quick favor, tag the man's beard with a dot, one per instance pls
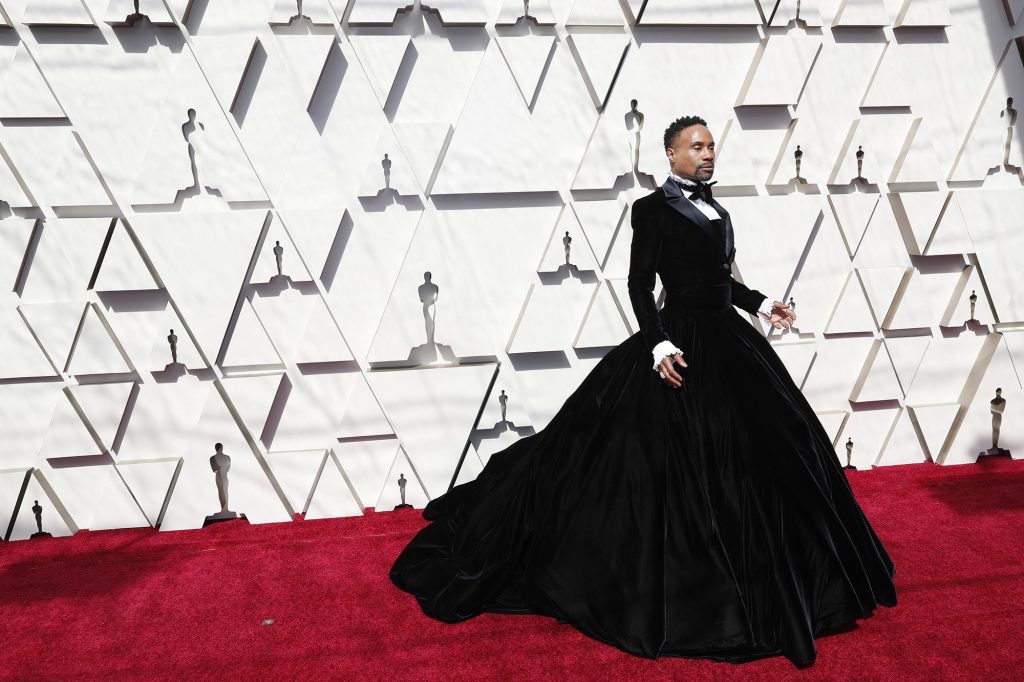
(704, 174)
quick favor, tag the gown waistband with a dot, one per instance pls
(706, 297)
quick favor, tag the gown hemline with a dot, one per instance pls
(764, 544)
(825, 627)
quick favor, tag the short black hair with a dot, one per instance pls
(679, 124)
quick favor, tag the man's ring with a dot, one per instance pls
(662, 373)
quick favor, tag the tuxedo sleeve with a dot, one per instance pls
(745, 298)
(644, 251)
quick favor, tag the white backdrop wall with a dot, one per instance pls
(376, 142)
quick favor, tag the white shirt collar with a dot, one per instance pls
(704, 207)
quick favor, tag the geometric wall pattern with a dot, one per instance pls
(328, 234)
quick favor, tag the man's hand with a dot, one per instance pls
(668, 373)
(782, 315)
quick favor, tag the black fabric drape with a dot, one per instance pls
(711, 521)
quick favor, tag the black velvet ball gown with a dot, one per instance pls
(711, 521)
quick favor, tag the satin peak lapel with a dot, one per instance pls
(675, 199)
(730, 241)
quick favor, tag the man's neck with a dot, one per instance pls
(688, 180)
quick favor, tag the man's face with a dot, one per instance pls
(692, 154)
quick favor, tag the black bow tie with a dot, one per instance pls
(699, 190)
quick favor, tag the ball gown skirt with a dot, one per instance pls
(711, 521)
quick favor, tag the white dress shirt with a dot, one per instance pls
(666, 347)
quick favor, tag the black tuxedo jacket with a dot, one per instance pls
(671, 237)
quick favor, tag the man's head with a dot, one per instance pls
(690, 148)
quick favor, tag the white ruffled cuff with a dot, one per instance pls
(765, 311)
(662, 349)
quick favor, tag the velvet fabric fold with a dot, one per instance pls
(711, 521)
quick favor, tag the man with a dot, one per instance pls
(690, 149)
(657, 520)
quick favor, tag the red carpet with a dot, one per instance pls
(140, 604)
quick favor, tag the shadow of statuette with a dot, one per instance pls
(220, 463)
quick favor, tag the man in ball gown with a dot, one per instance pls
(685, 500)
